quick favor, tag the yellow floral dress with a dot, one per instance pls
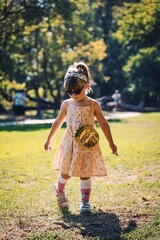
(72, 158)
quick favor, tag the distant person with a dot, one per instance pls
(79, 154)
(19, 100)
(117, 99)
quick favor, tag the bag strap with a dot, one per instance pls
(71, 135)
(91, 112)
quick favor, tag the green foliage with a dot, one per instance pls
(141, 68)
(118, 40)
(137, 22)
(138, 35)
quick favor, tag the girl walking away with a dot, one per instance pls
(79, 154)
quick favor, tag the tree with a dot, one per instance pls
(31, 54)
(40, 40)
(119, 40)
(138, 34)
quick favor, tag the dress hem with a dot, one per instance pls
(82, 176)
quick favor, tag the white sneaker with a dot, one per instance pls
(62, 200)
(85, 207)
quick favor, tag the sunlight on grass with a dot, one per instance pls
(130, 192)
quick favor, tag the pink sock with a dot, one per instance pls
(86, 189)
(85, 194)
(61, 184)
(60, 187)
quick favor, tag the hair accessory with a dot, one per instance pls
(76, 74)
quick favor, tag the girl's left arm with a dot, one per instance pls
(104, 126)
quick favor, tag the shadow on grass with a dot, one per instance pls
(35, 127)
(103, 225)
(115, 120)
(28, 127)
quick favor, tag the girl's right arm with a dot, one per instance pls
(56, 125)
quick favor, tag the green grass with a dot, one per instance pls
(125, 204)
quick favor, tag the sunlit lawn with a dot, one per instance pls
(125, 204)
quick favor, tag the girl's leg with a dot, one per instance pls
(62, 200)
(85, 192)
(85, 189)
(61, 182)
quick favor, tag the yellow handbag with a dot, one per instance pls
(86, 135)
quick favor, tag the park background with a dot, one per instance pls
(120, 41)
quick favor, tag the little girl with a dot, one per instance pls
(73, 158)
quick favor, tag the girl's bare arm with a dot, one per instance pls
(104, 126)
(56, 125)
